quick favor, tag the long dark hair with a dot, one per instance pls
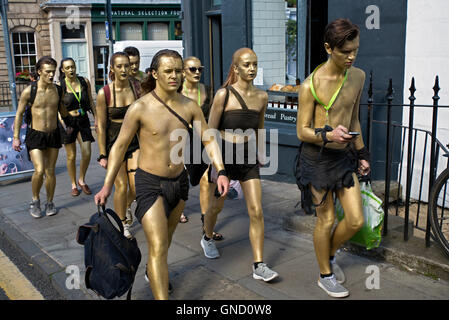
(61, 73)
(112, 62)
(149, 83)
(232, 76)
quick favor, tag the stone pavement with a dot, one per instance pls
(50, 245)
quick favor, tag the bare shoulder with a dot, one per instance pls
(188, 103)
(359, 74)
(304, 88)
(221, 93)
(261, 94)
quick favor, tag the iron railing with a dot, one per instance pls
(5, 93)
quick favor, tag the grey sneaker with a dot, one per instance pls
(50, 209)
(35, 209)
(332, 287)
(264, 273)
(337, 271)
(209, 248)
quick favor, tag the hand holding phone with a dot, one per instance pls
(354, 133)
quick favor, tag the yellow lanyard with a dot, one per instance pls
(73, 91)
(334, 97)
(199, 93)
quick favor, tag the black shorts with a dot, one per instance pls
(43, 140)
(242, 164)
(149, 187)
(80, 124)
(329, 170)
(113, 131)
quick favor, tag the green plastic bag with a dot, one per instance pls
(369, 235)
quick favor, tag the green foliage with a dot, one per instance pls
(291, 36)
(291, 3)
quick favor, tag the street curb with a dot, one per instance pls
(408, 255)
(42, 262)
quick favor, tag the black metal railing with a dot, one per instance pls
(5, 93)
(429, 155)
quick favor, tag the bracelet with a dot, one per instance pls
(102, 156)
(222, 173)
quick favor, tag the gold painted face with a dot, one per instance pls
(121, 68)
(69, 69)
(345, 56)
(169, 74)
(134, 63)
(193, 70)
(47, 73)
(247, 66)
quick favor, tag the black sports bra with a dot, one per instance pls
(243, 119)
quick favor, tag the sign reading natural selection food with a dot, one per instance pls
(11, 161)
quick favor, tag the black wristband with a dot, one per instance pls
(222, 173)
(102, 156)
(363, 154)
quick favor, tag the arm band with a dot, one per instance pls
(222, 173)
(363, 154)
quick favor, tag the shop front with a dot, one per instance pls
(136, 22)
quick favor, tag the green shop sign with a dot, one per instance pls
(139, 12)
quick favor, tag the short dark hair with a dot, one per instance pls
(132, 51)
(45, 60)
(339, 31)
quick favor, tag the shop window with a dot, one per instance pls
(178, 30)
(72, 33)
(130, 31)
(24, 50)
(99, 34)
(216, 3)
(157, 31)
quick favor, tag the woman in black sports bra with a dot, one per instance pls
(239, 105)
(77, 98)
(113, 100)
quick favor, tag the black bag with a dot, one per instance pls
(195, 170)
(110, 258)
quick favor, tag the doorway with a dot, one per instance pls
(215, 52)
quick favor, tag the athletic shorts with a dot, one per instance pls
(149, 187)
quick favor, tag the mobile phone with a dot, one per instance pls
(354, 133)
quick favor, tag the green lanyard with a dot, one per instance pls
(73, 91)
(334, 97)
(199, 92)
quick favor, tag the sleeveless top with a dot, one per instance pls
(243, 119)
(71, 103)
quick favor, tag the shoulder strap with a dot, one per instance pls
(239, 98)
(226, 98)
(107, 94)
(33, 93)
(185, 123)
(83, 82)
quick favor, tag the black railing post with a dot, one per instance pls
(387, 158)
(409, 157)
(370, 111)
(432, 171)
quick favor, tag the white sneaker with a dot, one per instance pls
(126, 231)
(264, 273)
